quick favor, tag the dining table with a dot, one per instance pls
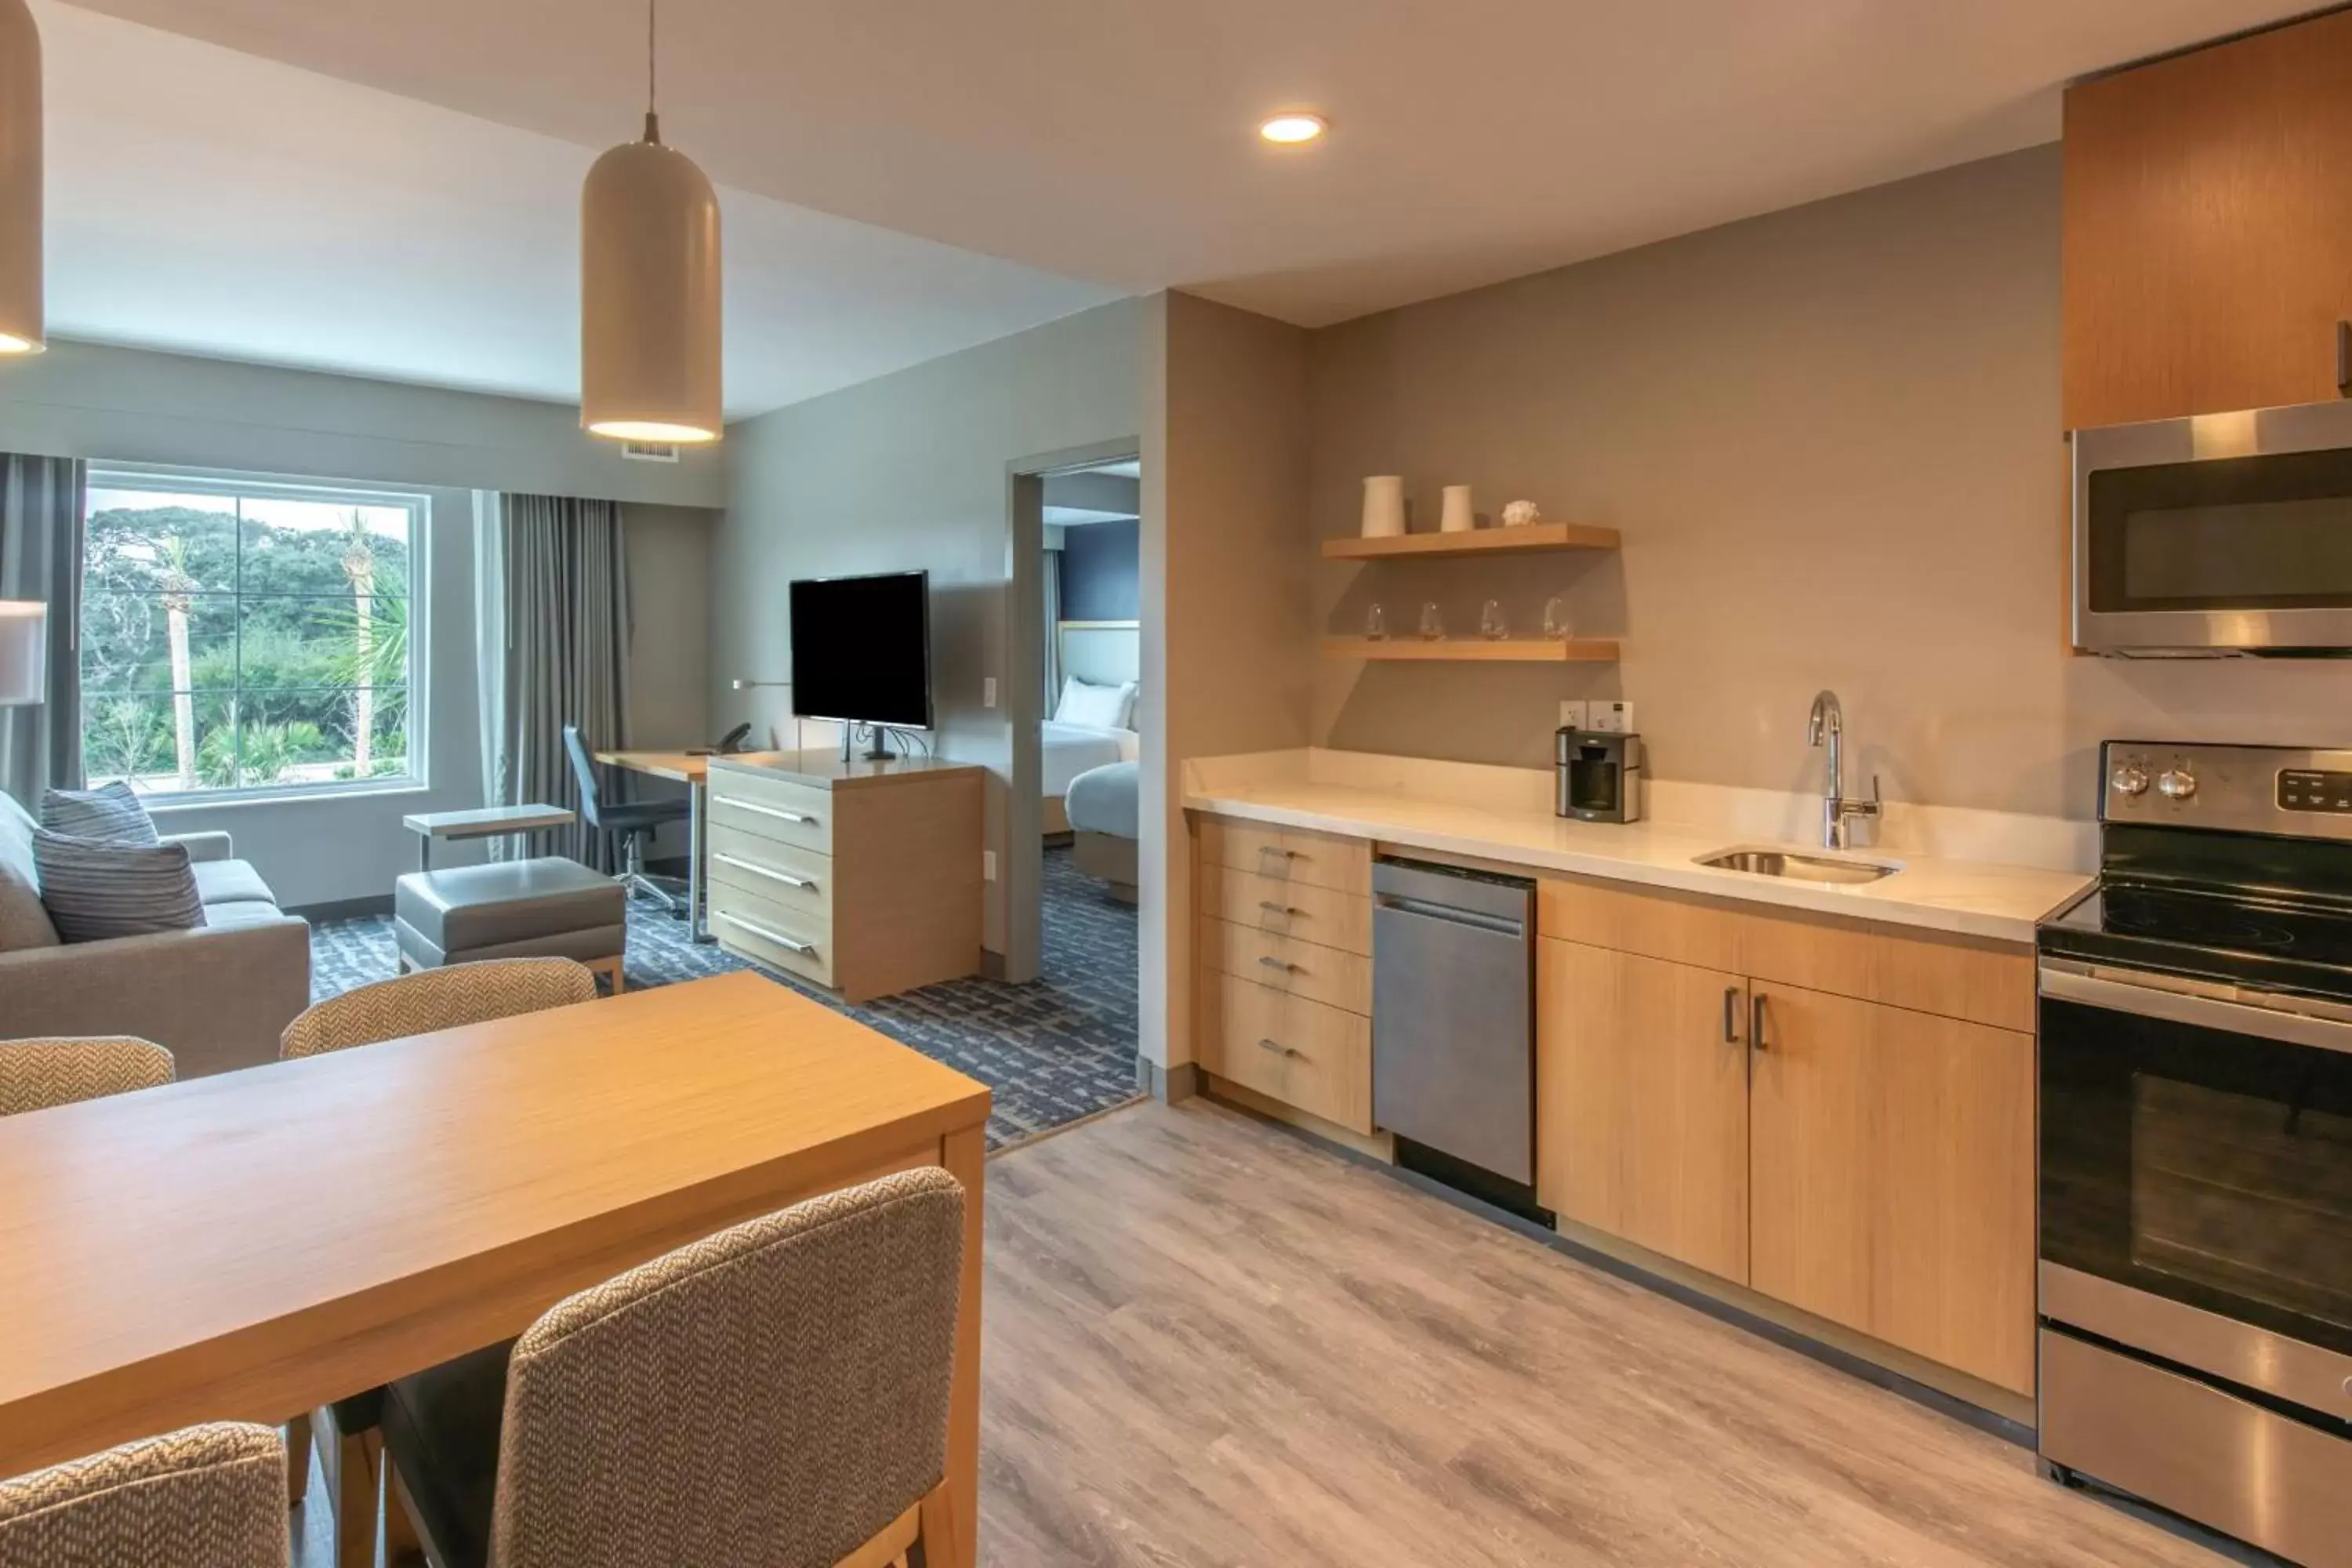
(253, 1244)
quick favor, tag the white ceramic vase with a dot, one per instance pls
(1383, 506)
(1456, 517)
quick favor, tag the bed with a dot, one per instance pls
(1104, 822)
(1093, 722)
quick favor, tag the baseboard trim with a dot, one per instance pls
(344, 909)
(1168, 1086)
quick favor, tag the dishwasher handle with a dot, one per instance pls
(1451, 915)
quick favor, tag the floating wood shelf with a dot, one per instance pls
(1520, 650)
(1479, 542)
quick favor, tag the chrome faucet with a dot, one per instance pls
(1826, 726)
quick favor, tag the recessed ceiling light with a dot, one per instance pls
(1290, 127)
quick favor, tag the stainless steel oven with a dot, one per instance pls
(2223, 534)
(2196, 1147)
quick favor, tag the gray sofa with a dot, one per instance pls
(216, 997)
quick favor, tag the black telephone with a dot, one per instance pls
(732, 742)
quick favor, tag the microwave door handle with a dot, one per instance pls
(2170, 1005)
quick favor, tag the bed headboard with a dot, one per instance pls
(1101, 653)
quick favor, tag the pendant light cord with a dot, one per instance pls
(653, 122)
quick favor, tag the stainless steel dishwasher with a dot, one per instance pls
(1454, 1069)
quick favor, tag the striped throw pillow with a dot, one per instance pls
(111, 813)
(94, 890)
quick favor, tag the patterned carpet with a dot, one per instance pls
(1056, 1050)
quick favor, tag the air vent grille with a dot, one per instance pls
(649, 451)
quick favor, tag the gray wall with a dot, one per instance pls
(128, 405)
(903, 472)
(1831, 436)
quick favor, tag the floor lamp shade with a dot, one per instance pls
(649, 297)
(21, 330)
(24, 653)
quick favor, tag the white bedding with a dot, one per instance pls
(1070, 750)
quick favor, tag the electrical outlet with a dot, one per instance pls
(988, 865)
(988, 691)
(1612, 717)
(1572, 712)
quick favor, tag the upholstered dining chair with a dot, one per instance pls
(208, 1496)
(37, 1074)
(438, 999)
(776, 1394)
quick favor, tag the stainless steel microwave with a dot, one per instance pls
(2218, 535)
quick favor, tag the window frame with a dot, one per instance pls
(167, 479)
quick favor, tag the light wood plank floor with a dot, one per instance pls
(1209, 1344)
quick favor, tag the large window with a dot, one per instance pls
(248, 636)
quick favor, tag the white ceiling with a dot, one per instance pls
(1111, 139)
(209, 202)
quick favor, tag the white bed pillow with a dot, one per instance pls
(1094, 707)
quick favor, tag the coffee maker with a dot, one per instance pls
(1600, 776)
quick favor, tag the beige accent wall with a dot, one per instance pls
(1227, 558)
(1831, 436)
(907, 472)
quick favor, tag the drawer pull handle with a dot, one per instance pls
(1731, 1014)
(1756, 1023)
(1285, 967)
(1286, 910)
(768, 871)
(777, 812)
(1277, 1047)
(1265, 849)
(790, 945)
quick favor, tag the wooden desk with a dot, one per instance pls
(253, 1244)
(691, 769)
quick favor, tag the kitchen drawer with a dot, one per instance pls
(1317, 859)
(1283, 908)
(1302, 1053)
(771, 808)
(1969, 978)
(1326, 974)
(773, 933)
(797, 878)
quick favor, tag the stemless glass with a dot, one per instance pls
(1555, 621)
(1491, 624)
(1432, 625)
(1376, 623)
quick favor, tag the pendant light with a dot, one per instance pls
(649, 296)
(21, 331)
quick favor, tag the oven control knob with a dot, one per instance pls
(2176, 783)
(2129, 779)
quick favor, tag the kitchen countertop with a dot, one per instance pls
(1966, 897)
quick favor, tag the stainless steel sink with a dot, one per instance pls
(1797, 868)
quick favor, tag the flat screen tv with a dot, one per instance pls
(862, 649)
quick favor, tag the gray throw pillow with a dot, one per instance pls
(112, 814)
(94, 890)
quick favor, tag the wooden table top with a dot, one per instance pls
(303, 1230)
(686, 767)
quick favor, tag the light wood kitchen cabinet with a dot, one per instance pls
(2208, 221)
(1642, 1102)
(1891, 1176)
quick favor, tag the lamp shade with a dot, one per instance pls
(24, 653)
(21, 329)
(649, 297)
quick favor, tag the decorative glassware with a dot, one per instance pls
(1555, 621)
(1432, 625)
(1491, 624)
(1376, 623)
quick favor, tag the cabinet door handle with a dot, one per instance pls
(1286, 968)
(1731, 1014)
(1756, 1023)
(2344, 358)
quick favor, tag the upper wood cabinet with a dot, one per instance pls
(2209, 229)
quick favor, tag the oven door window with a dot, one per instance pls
(2268, 532)
(2212, 1168)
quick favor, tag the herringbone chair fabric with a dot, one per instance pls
(37, 1074)
(775, 1394)
(438, 999)
(209, 1496)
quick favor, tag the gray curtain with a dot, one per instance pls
(562, 656)
(1052, 575)
(41, 504)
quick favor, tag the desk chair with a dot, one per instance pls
(633, 821)
(37, 1074)
(776, 1394)
(208, 1496)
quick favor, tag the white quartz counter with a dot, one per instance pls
(1967, 897)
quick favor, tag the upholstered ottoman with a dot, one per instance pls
(547, 907)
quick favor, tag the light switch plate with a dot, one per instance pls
(1572, 712)
(1611, 717)
(988, 691)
